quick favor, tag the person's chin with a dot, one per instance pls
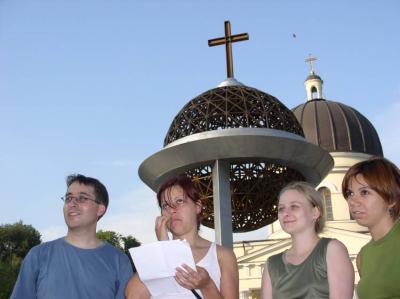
(288, 225)
(74, 223)
(362, 221)
(72, 227)
(289, 228)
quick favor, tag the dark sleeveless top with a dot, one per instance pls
(306, 280)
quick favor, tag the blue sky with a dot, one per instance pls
(92, 86)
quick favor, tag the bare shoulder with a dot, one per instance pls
(335, 246)
(336, 253)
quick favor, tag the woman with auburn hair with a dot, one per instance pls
(312, 267)
(216, 274)
(372, 191)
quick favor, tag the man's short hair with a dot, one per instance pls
(100, 190)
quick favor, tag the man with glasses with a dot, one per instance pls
(78, 265)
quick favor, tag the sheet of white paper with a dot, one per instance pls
(156, 263)
(165, 286)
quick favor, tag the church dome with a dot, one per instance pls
(337, 127)
(313, 76)
(232, 106)
(334, 126)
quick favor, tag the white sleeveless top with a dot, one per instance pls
(208, 262)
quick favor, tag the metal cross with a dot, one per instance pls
(228, 39)
(310, 60)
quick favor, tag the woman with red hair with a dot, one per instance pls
(372, 191)
(216, 274)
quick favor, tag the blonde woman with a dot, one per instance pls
(312, 267)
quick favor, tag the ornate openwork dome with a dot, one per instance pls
(337, 127)
(254, 184)
(232, 107)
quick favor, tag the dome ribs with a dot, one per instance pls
(232, 107)
(360, 129)
(340, 128)
(331, 127)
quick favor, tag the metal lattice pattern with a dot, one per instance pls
(232, 107)
(254, 192)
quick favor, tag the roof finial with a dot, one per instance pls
(310, 60)
(313, 82)
(228, 39)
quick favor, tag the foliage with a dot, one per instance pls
(130, 242)
(8, 276)
(119, 241)
(15, 242)
(111, 237)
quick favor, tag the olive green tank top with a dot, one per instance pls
(380, 267)
(306, 280)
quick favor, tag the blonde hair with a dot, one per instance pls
(313, 197)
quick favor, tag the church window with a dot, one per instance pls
(327, 202)
(314, 92)
(244, 295)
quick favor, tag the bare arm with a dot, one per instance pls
(229, 273)
(340, 271)
(358, 264)
(136, 289)
(266, 286)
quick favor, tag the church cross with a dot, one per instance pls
(311, 60)
(228, 39)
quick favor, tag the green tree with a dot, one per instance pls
(8, 276)
(119, 241)
(111, 237)
(15, 242)
(130, 242)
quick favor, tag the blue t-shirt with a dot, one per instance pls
(58, 270)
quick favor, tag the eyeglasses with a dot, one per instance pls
(78, 199)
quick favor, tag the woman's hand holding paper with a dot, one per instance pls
(190, 279)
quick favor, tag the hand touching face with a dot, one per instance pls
(181, 212)
(161, 227)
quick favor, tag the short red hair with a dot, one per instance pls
(382, 176)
